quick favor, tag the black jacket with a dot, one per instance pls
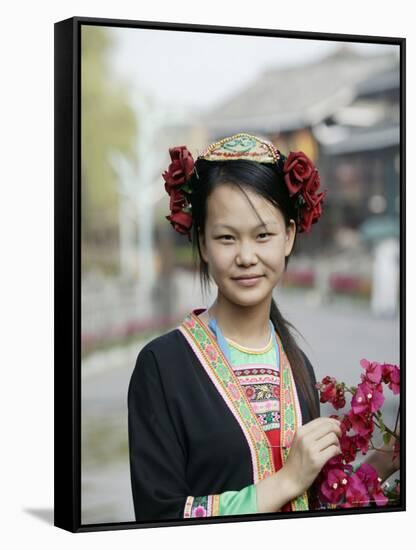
(183, 439)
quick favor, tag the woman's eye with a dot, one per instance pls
(228, 237)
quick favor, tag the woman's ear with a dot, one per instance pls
(290, 237)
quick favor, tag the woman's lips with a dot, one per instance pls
(248, 282)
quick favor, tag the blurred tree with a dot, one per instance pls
(108, 124)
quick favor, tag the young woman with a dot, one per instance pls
(223, 411)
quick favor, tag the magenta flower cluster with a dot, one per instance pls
(338, 484)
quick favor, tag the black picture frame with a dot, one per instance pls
(67, 308)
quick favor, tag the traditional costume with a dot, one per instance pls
(203, 430)
(208, 418)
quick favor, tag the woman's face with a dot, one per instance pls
(235, 244)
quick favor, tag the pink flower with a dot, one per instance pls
(361, 423)
(362, 441)
(199, 512)
(328, 389)
(391, 376)
(234, 391)
(395, 380)
(256, 433)
(190, 323)
(356, 494)
(373, 371)
(363, 486)
(369, 477)
(335, 486)
(249, 392)
(211, 352)
(366, 399)
(332, 392)
(348, 447)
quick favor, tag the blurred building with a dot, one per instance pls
(343, 111)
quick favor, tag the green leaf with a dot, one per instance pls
(186, 188)
(386, 438)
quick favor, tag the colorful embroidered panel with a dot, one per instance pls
(257, 372)
(225, 504)
(204, 344)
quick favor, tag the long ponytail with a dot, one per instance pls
(295, 357)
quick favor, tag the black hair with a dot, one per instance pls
(267, 181)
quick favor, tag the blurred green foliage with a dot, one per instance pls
(108, 124)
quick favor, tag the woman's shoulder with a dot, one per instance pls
(168, 348)
(162, 345)
(164, 361)
(152, 355)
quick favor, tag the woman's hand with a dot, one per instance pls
(389, 464)
(382, 459)
(313, 445)
(396, 461)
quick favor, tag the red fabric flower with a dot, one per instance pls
(181, 221)
(310, 214)
(177, 200)
(302, 179)
(297, 170)
(178, 173)
(179, 169)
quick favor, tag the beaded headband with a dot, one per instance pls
(300, 176)
(242, 146)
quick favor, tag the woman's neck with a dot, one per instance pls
(246, 325)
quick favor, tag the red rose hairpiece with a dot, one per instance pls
(300, 175)
(302, 180)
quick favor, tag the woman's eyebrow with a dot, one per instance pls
(218, 225)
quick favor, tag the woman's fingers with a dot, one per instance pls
(316, 430)
(326, 441)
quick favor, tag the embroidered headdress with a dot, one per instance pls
(299, 173)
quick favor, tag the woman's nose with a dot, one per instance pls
(246, 254)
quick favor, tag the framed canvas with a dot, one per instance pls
(200, 376)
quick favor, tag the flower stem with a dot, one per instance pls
(387, 430)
